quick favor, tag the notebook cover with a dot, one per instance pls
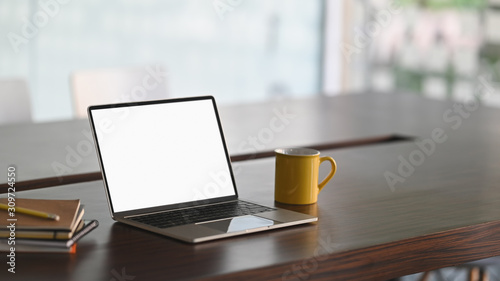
(66, 209)
(87, 226)
(38, 249)
(43, 233)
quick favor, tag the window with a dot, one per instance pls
(236, 50)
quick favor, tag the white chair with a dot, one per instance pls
(15, 104)
(101, 86)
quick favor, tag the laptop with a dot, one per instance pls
(166, 169)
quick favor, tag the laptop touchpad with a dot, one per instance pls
(239, 224)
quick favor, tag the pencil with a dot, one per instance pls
(30, 212)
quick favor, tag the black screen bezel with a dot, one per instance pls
(164, 207)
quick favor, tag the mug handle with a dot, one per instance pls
(332, 172)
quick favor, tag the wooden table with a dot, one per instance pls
(365, 231)
(56, 153)
(446, 212)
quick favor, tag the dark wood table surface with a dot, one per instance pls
(445, 212)
(56, 153)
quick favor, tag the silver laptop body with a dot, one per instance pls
(163, 157)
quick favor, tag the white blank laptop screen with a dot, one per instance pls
(161, 154)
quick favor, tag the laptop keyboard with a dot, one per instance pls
(201, 214)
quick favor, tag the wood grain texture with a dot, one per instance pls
(65, 148)
(445, 212)
(365, 230)
(382, 262)
(76, 178)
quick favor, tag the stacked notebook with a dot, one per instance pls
(37, 234)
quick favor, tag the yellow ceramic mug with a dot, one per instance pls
(296, 180)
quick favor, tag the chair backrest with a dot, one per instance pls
(15, 104)
(102, 86)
